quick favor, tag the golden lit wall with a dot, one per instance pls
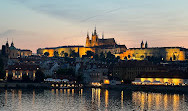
(175, 81)
(82, 51)
(141, 54)
(19, 53)
(50, 51)
(171, 52)
(25, 53)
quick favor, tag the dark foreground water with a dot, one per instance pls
(90, 99)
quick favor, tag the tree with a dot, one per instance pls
(64, 73)
(125, 57)
(39, 76)
(118, 57)
(66, 54)
(142, 56)
(110, 56)
(174, 57)
(73, 54)
(79, 79)
(96, 56)
(56, 54)
(2, 72)
(129, 56)
(102, 56)
(25, 78)
(46, 54)
(170, 58)
(89, 53)
(9, 78)
(62, 53)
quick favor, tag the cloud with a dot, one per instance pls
(7, 33)
(102, 14)
(11, 33)
(74, 11)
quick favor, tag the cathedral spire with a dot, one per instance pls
(142, 44)
(146, 45)
(95, 31)
(12, 44)
(88, 34)
(7, 43)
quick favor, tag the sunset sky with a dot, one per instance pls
(36, 24)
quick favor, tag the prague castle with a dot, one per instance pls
(105, 45)
(160, 53)
(95, 45)
(96, 41)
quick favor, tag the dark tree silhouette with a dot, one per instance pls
(39, 76)
(89, 53)
(73, 54)
(102, 56)
(2, 72)
(56, 54)
(66, 54)
(46, 54)
(62, 53)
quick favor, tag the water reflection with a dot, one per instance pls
(90, 99)
(121, 99)
(157, 101)
(106, 98)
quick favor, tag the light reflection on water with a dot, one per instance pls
(90, 99)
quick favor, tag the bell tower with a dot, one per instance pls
(94, 41)
(88, 43)
(142, 44)
(146, 45)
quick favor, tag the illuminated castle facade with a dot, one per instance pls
(163, 53)
(95, 45)
(96, 41)
(105, 45)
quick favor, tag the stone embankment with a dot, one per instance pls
(150, 88)
(25, 85)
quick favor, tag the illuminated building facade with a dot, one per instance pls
(81, 50)
(129, 70)
(99, 45)
(95, 45)
(162, 53)
(19, 71)
(12, 52)
(96, 41)
(160, 81)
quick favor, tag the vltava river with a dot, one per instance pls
(90, 99)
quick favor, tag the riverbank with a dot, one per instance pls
(148, 88)
(26, 85)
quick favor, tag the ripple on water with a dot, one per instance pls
(90, 99)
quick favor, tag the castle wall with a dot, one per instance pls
(168, 54)
(82, 51)
(175, 54)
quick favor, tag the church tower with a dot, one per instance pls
(142, 44)
(94, 40)
(146, 45)
(12, 44)
(7, 47)
(88, 43)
